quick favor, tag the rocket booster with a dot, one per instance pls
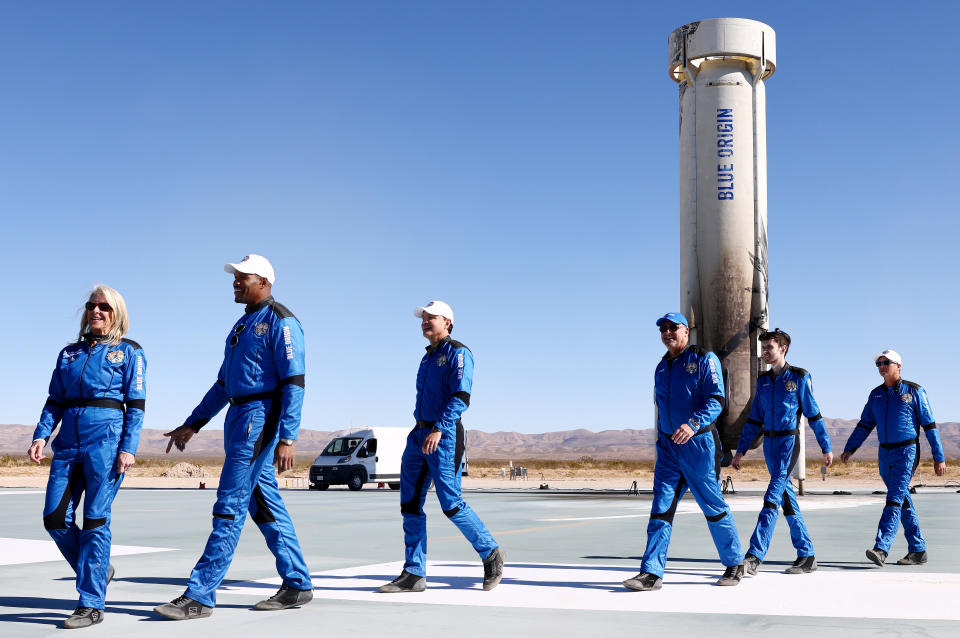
(720, 66)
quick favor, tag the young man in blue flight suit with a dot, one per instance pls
(262, 378)
(897, 409)
(689, 396)
(783, 394)
(434, 452)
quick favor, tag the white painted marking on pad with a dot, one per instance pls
(18, 551)
(597, 518)
(840, 594)
(7, 492)
(739, 504)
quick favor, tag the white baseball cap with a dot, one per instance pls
(893, 355)
(253, 265)
(438, 308)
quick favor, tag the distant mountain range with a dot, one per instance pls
(565, 445)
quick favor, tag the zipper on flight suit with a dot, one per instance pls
(76, 423)
(669, 387)
(424, 388)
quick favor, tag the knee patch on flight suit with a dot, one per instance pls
(93, 523)
(787, 506)
(413, 505)
(667, 516)
(57, 519)
(263, 514)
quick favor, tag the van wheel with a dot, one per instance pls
(355, 482)
(319, 486)
(394, 486)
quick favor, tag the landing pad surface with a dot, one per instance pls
(566, 555)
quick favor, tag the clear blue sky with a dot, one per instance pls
(516, 159)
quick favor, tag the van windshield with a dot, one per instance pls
(342, 445)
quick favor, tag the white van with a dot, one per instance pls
(367, 455)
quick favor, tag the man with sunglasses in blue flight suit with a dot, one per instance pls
(783, 394)
(689, 396)
(434, 452)
(262, 378)
(897, 409)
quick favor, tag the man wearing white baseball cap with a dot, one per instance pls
(900, 408)
(434, 452)
(253, 265)
(262, 378)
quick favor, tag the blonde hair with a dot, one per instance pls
(121, 320)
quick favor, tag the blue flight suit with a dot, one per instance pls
(777, 406)
(897, 413)
(98, 396)
(262, 378)
(689, 389)
(444, 382)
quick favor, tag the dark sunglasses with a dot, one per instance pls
(235, 339)
(103, 306)
(671, 328)
(884, 363)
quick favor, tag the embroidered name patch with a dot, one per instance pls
(288, 342)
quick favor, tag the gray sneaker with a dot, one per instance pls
(644, 581)
(83, 617)
(183, 608)
(913, 558)
(492, 569)
(110, 572)
(285, 598)
(405, 582)
(803, 565)
(731, 576)
(878, 556)
(750, 565)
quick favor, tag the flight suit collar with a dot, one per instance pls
(255, 307)
(667, 357)
(432, 349)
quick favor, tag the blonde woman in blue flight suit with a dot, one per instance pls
(97, 396)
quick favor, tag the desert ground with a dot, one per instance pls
(585, 473)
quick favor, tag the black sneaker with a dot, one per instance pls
(405, 582)
(878, 556)
(803, 565)
(750, 565)
(731, 576)
(183, 608)
(83, 617)
(913, 558)
(644, 581)
(492, 569)
(284, 598)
